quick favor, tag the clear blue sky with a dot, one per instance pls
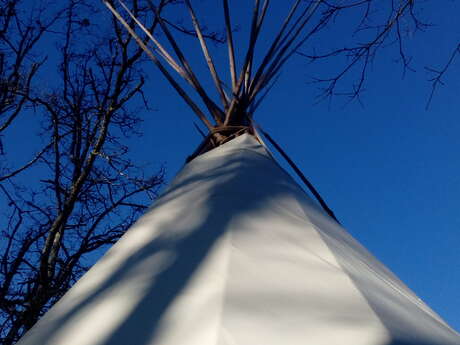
(389, 169)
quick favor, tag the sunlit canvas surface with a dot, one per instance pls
(235, 253)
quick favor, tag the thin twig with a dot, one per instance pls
(25, 166)
(437, 79)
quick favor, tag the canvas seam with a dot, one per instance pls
(411, 298)
(414, 300)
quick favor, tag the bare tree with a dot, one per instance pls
(376, 26)
(90, 191)
(19, 34)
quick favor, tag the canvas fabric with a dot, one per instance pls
(235, 253)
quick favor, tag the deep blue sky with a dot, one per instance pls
(389, 168)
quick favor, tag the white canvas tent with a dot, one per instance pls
(234, 252)
(230, 255)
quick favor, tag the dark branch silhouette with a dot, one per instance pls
(84, 191)
(438, 74)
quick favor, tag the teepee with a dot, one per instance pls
(234, 252)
